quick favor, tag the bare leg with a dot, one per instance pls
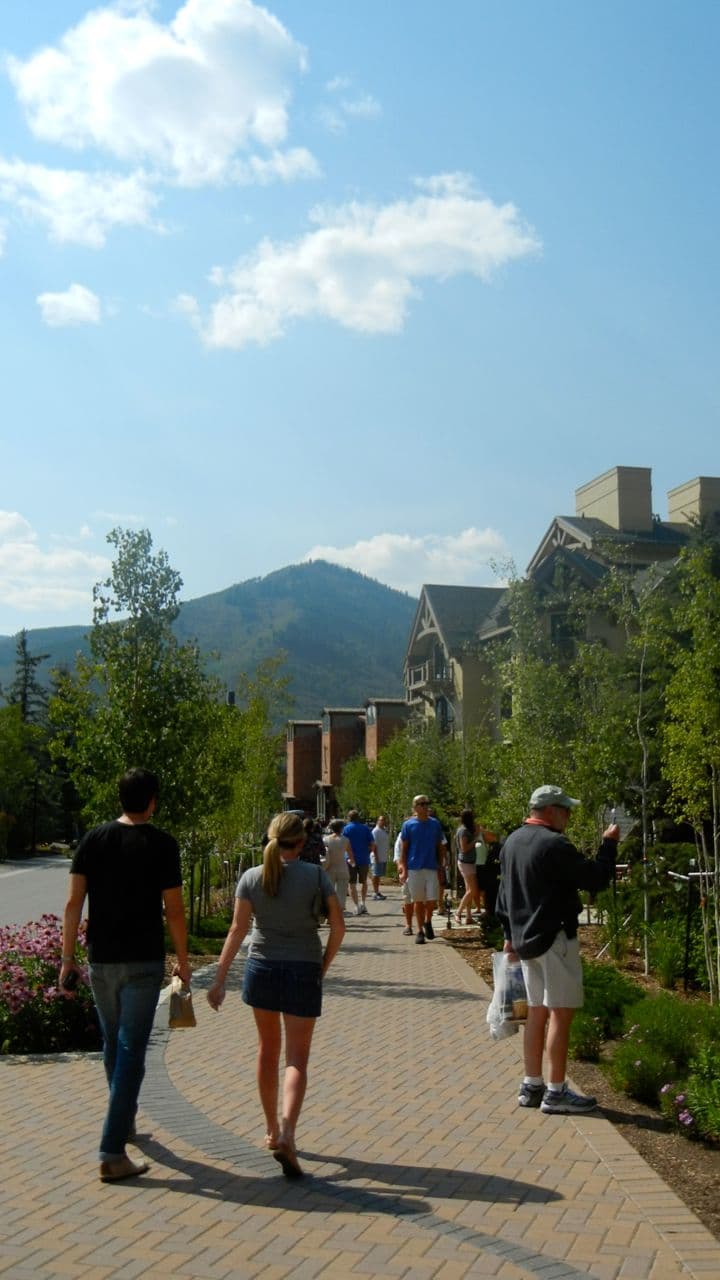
(298, 1038)
(408, 912)
(353, 893)
(429, 909)
(558, 1038)
(268, 1063)
(534, 1039)
(419, 915)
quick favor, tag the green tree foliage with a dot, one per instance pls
(257, 747)
(142, 698)
(35, 803)
(692, 730)
(26, 691)
(534, 735)
(16, 776)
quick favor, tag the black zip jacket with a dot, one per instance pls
(540, 874)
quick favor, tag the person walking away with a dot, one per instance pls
(407, 905)
(337, 852)
(129, 870)
(361, 841)
(283, 973)
(538, 906)
(313, 850)
(378, 859)
(466, 840)
(422, 855)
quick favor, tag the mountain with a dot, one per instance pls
(344, 635)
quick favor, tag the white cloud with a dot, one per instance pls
(405, 561)
(363, 106)
(366, 107)
(52, 581)
(183, 96)
(77, 305)
(362, 264)
(282, 166)
(78, 207)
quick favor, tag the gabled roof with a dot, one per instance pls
(456, 613)
(591, 533)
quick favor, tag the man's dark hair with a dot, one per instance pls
(353, 815)
(137, 788)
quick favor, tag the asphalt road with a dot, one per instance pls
(32, 888)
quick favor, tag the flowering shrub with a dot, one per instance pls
(695, 1107)
(35, 1017)
(667, 1040)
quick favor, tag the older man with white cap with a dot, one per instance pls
(538, 905)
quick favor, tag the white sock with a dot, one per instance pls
(556, 1088)
(536, 1081)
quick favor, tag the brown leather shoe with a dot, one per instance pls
(115, 1170)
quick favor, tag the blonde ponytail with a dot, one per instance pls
(285, 829)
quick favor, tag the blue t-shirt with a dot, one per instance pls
(423, 838)
(360, 837)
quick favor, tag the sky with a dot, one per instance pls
(377, 282)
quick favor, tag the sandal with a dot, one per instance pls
(287, 1157)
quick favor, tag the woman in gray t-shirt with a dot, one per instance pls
(282, 977)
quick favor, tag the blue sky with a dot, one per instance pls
(384, 282)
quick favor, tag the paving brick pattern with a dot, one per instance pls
(421, 1163)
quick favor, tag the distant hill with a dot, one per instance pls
(345, 635)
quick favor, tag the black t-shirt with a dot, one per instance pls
(126, 867)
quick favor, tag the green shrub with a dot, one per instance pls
(667, 951)
(199, 945)
(664, 1033)
(607, 995)
(585, 1037)
(703, 1092)
(640, 1070)
(214, 926)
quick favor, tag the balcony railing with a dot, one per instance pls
(429, 675)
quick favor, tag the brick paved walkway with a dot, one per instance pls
(422, 1165)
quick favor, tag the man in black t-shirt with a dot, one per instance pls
(129, 870)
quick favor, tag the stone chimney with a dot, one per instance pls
(622, 497)
(694, 500)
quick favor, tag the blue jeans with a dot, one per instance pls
(126, 997)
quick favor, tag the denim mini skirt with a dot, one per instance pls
(283, 986)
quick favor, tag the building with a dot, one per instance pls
(343, 736)
(384, 717)
(445, 672)
(448, 661)
(303, 763)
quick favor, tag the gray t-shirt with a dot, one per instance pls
(285, 927)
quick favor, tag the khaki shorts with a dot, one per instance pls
(423, 886)
(555, 978)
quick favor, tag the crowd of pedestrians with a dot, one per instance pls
(129, 870)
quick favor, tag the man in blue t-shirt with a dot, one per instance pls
(422, 854)
(362, 845)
